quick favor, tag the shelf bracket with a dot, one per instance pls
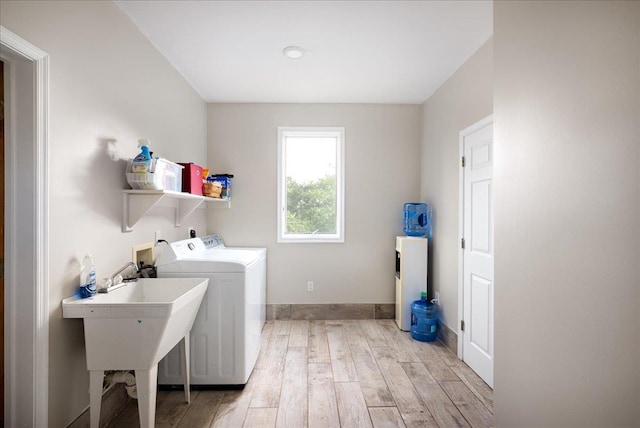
(137, 203)
(184, 208)
(134, 208)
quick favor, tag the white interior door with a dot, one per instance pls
(477, 143)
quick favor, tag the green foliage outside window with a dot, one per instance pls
(311, 207)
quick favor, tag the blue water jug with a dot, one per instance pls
(416, 219)
(424, 320)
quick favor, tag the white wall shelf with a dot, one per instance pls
(136, 203)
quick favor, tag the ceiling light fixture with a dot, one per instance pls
(293, 52)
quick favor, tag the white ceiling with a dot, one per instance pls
(357, 51)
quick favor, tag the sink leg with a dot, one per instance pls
(95, 396)
(185, 351)
(147, 384)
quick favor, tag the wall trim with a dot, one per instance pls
(33, 396)
(335, 311)
(448, 337)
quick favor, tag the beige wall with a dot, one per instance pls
(567, 139)
(461, 101)
(106, 81)
(382, 172)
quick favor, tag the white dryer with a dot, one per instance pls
(225, 338)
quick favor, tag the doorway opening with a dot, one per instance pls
(26, 240)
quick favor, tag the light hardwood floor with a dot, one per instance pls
(351, 373)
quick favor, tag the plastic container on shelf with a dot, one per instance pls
(416, 219)
(166, 175)
(424, 320)
(192, 178)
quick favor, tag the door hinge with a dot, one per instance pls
(463, 161)
(462, 243)
(462, 325)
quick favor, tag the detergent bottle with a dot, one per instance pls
(87, 277)
(142, 162)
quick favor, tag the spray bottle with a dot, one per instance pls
(142, 162)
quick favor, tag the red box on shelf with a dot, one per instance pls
(192, 178)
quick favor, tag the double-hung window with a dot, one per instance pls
(310, 184)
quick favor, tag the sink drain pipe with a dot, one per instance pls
(127, 378)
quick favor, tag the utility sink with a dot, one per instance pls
(133, 328)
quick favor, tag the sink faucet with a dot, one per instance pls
(124, 268)
(116, 281)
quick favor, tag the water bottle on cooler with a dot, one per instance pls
(416, 219)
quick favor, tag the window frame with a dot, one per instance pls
(323, 131)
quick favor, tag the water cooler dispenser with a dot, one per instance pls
(411, 276)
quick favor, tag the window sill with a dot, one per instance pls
(308, 240)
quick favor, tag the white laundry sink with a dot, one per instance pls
(133, 328)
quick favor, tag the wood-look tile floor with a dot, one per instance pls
(352, 373)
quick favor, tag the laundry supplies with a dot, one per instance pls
(142, 162)
(87, 278)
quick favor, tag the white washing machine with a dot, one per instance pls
(225, 338)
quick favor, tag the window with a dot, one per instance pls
(310, 184)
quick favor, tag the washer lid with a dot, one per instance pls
(227, 255)
(179, 257)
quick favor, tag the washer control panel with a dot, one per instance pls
(212, 241)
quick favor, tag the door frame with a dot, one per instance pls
(465, 132)
(27, 361)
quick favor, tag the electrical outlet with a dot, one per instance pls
(437, 298)
(309, 285)
(158, 235)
